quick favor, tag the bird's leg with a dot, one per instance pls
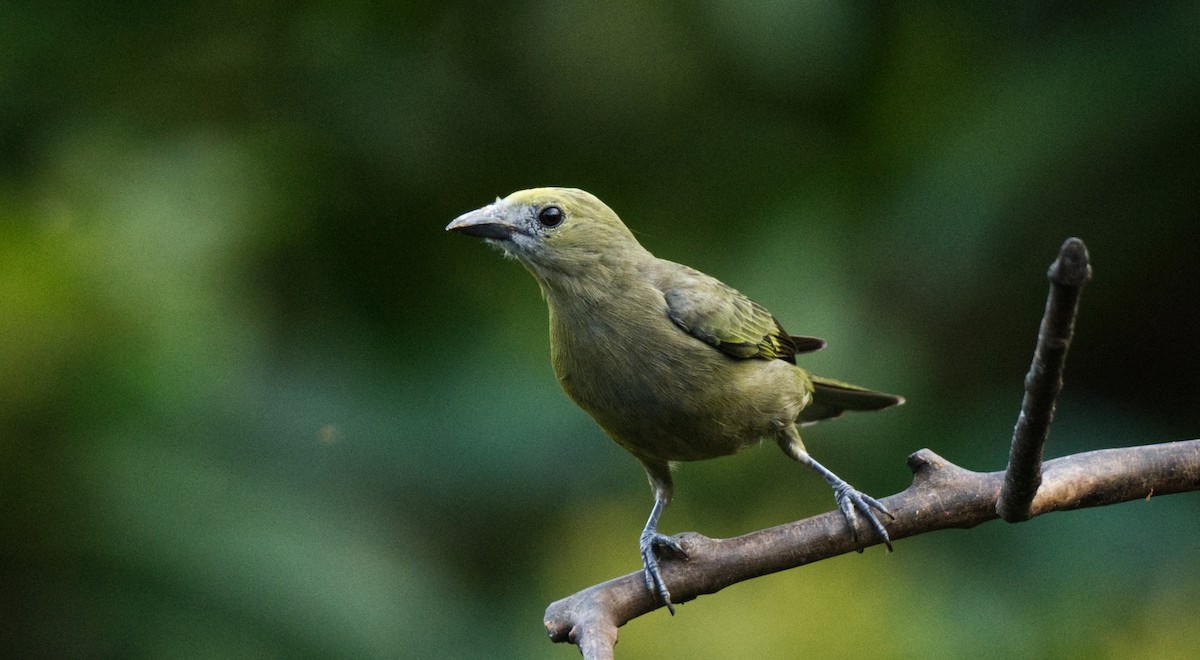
(851, 501)
(652, 544)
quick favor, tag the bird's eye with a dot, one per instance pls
(551, 216)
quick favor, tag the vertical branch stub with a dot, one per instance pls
(1067, 275)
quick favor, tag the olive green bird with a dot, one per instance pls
(672, 363)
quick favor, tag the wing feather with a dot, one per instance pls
(720, 316)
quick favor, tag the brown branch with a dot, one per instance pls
(1069, 272)
(942, 495)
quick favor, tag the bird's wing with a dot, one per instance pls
(719, 315)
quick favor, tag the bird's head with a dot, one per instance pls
(555, 232)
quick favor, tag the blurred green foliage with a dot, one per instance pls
(255, 403)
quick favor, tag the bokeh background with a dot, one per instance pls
(255, 402)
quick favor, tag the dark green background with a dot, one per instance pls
(254, 402)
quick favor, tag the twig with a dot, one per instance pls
(1069, 272)
(942, 495)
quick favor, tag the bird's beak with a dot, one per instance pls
(487, 222)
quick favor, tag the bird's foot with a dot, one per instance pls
(854, 502)
(653, 546)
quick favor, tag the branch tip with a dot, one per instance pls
(920, 460)
(926, 463)
(1072, 267)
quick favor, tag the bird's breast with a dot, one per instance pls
(660, 393)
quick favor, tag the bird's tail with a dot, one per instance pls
(831, 398)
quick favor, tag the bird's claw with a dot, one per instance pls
(853, 502)
(653, 546)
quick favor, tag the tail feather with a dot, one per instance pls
(832, 398)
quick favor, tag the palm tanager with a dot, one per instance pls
(673, 364)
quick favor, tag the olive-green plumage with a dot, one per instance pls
(672, 363)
